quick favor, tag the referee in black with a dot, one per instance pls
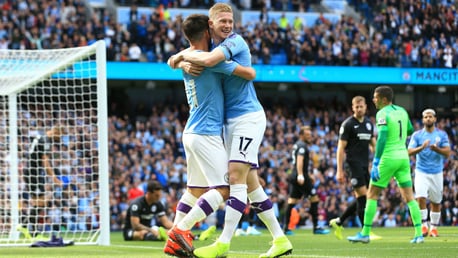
(356, 137)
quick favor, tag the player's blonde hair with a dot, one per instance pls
(429, 111)
(357, 99)
(305, 128)
(219, 8)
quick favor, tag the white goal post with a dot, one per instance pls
(54, 185)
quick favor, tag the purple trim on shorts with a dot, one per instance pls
(218, 186)
(236, 204)
(253, 166)
(205, 206)
(262, 206)
(183, 207)
(199, 187)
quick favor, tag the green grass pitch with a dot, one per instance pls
(394, 243)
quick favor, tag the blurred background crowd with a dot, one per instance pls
(413, 33)
(146, 144)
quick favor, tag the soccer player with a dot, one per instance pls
(205, 152)
(244, 129)
(39, 169)
(356, 135)
(301, 183)
(431, 147)
(140, 215)
(391, 160)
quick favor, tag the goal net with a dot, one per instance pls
(53, 146)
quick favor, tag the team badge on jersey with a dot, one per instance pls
(153, 208)
(437, 141)
(368, 126)
(354, 181)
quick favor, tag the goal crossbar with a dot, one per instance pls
(39, 90)
(14, 74)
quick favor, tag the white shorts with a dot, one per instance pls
(243, 136)
(429, 186)
(207, 161)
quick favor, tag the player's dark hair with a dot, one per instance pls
(194, 26)
(153, 186)
(385, 92)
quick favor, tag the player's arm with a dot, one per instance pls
(341, 145)
(233, 68)
(166, 223)
(372, 144)
(300, 166)
(247, 73)
(207, 59)
(137, 226)
(414, 147)
(444, 151)
(381, 141)
(442, 146)
(48, 168)
(230, 47)
(410, 128)
(174, 60)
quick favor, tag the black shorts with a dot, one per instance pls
(128, 234)
(357, 173)
(297, 191)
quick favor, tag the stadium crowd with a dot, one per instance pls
(389, 33)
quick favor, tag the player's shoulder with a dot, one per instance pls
(367, 120)
(138, 201)
(440, 132)
(234, 40)
(300, 144)
(404, 111)
(234, 35)
(348, 121)
(417, 133)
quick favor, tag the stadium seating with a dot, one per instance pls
(60, 27)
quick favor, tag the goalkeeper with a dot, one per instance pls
(391, 159)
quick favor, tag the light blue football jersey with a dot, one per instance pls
(428, 160)
(205, 98)
(239, 94)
